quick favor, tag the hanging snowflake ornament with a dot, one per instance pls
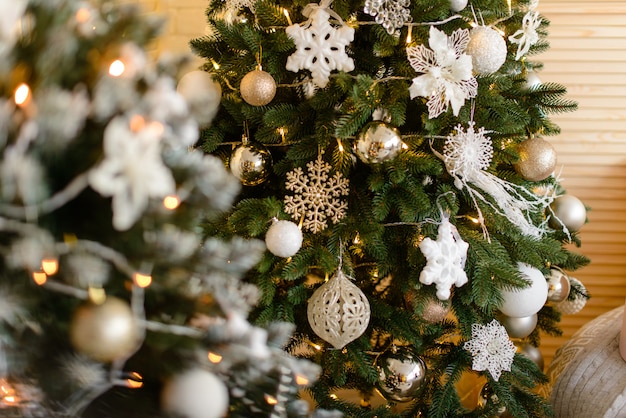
(316, 195)
(391, 14)
(467, 155)
(527, 36)
(491, 349)
(446, 258)
(320, 46)
(338, 311)
(446, 69)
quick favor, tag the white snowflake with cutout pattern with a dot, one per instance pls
(317, 195)
(491, 349)
(320, 46)
(445, 259)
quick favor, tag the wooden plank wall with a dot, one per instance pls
(588, 56)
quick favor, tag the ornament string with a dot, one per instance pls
(310, 9)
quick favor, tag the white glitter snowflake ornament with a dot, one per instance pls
(316, 195)
(447, 78)
(320, 46)
(446, 258)
(526, 36)
(391, 14)
(491, 349)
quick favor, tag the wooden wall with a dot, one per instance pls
(588, 56)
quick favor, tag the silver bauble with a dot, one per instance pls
(558, 285)
(258, 87)
(251, 163)
(519, 327)
(400, 375)
(537, 159)
(569, 211)
(533, 353)
(487, 49)
(487, 398)
(457, 5)
(378, 142)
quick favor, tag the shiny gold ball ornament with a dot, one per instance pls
(436, 311)
(378, 142)
(487, 49)
(106, 331)
(251, 163)
(567, 210)
(537, 159)
(258, 87)
(400, 374)
(558, 285)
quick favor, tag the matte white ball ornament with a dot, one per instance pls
(524, 302)
(457, 5)
(203, 95)
(283, 238)
(487, 49)
(195, 393)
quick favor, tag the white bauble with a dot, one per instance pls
(283, 238)
(203, 95)
(457, 5)
(487, 49)
(195, 393)
(525, 302)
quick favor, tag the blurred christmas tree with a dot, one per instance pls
(111, 304)
(394, 159)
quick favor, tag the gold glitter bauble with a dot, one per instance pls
(104, 332)
(537, 159)
(258, 88)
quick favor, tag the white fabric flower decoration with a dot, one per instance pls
(526, 36)
(491, 349)
(132, 170)
(447, 78)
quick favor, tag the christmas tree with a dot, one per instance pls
(112, 303)
(393, 157)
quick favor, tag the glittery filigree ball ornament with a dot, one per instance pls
(203, 95)
(537, 159)
(378, 142)
(567, 210)
(524, 302)
(251, 163)
(435, 311)
(400, 375)
(558, 285)
(283, 238)
(106, 331)
(338, 311)
(457, 5)
(519, 327)
(258, 87)
(533, 353)
(576, 301)
(487, 49)
(195, 393)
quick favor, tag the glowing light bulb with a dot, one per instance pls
(301, 380)
(40, 277)
(171, 202)
(214, 357)
(287, 16)
(137, 123)
(83, 15)
(50, 266)
(215, 64)
(117, 68)
(409, 35)
(142, 280)
(270, 399)
(135, 381)
(22, 95)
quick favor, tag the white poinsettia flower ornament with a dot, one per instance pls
(527, 36)
(446, 69)
(132, 171)
(491, 349)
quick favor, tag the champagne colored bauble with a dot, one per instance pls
(203, 95)
(258, 88)
(338, 311)
(457, 5)
(195, 393)
(519, 327)
(537, 159)
(488, 399)
(487, 49)
(558, 285)
(251, 163)
(569, 211)
(378, 142)
(524, 302)
(400, 375)
(436, 311)
(283, 238)
(533, 353)
(104, 332)
(577, 303)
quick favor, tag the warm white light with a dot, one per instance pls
(287, 16)
(50, 266)
(40, 277)
(83, 15)
(214, 357)
(137, 123)
(171, 202)
(301, 380)
(270, 399)
(22, 94)
(142, 280)
(117, 68)
(135, 381)
(409, 35)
